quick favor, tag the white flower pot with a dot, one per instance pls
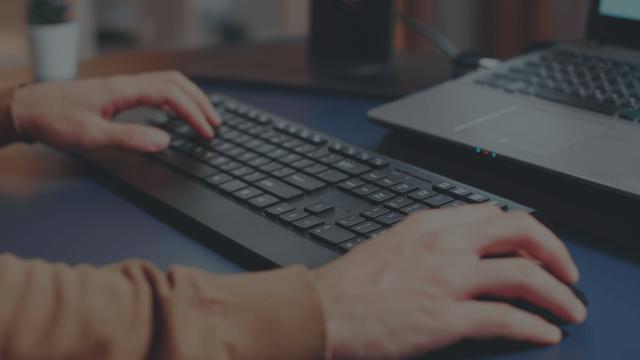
(54, 51)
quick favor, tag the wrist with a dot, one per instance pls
(10, 130)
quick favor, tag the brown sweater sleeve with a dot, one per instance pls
(134, 311)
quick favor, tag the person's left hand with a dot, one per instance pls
(76, 115)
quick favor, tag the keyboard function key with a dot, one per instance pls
(403, 188)
(413, 208)
(444, 186)
(390, 181)
(460, 192)
(351, 167)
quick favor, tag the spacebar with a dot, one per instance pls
(609, 109)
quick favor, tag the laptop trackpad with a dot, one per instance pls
(530, 130)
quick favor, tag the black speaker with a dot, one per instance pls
(348, 34)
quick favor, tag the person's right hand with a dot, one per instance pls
(415, 288)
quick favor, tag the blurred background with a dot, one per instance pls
(500, 28)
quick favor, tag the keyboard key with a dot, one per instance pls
(263, 201)
(186, 164)
(243, 171)
(499, 204)
(366, 228)
(246, 157)
(291, 158)
(375, 212)
(319, 154)
(259, 161)
(381, 196)
(230, 166)
(632, 114)
(350, 221)
(390, 181)
(278, 154)
(460, 192)
(233, 186)
(271, 167)
(305, 182)
(350, 184)
(454, 204)
(551, 95)
(352, 167)
(378, 163)
(332, 234)
(256, 176)
(308, 223)
(331, 159)
(219, 179)
(319, 207)
(403, 188)
(293, 216)
(477, 199)
(279, 209)
(284, 172)
(421, 195)
(399, 203)
(445, 186)
(248, 193)
(365, 190)
(438, 200)
(301, 164)
(278, 188)
(219, 161)
(333, 176)
(375, 176)
(390, 219)
(413, 209)
(350, 245)
(304, 149)
(315, 169)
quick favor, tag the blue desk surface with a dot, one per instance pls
(78, 220)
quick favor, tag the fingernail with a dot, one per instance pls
(555, 335)
(158, 140)
(580, 313)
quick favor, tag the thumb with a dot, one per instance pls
(135, 137)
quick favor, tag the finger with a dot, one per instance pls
(510, 232)
(182, 105)
(146, 90)
(197, 95)
(489, 320)
(523, 279)
(134, 137)
(434, 220)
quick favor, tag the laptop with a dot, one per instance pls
(572, 109)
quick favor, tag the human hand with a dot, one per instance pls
(75, 115)
(415, 288)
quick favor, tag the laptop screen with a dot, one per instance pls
(624, 9)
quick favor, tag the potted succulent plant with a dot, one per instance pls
(54, 39)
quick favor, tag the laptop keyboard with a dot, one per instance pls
(319, 187)
(585, 81)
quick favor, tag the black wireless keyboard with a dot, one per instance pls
(283, 191)
(585, 81)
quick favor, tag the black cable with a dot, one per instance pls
(462, 61)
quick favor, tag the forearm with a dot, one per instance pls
(134, 311)
(8, 132)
